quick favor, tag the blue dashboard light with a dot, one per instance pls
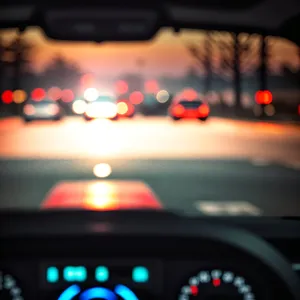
(101, 274)
(125, 293)
(52, 274)
(69, 293)
(75, 273)
(69, 274)
(140, 274)
(81, 273)
(98, 292)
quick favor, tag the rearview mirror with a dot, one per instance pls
(103, 25)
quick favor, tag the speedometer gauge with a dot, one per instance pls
(9, 290)
(217, 284)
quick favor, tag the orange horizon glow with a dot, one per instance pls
(166, 54)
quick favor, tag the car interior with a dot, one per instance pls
(153, 253)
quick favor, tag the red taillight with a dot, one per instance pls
(299, 109)
(178, 110)
(130, 109)
(7, 97)
(38, 94)
(29, 109)
(264, 97)
(203, 110)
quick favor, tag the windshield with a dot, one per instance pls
(237, 155)
(191, 104)
(42, 102)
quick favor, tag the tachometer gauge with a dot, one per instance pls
(9, 290)
(217, 285)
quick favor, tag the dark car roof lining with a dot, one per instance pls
(271, 17)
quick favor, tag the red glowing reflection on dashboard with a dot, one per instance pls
(101, 195)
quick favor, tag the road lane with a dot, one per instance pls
(151, 138)
(179, 184)
(184, 162)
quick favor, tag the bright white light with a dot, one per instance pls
(162, 96)
(102, 110)
(122, 108)
(91, 94)
(79, 107)
(102, 170)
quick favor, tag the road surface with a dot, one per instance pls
(192, 166)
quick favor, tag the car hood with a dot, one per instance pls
(101, 195)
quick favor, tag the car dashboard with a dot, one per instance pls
(134, 255)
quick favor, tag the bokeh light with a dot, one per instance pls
(102, 170)
(67, 95)
(7, 97)
(263, 97)
(38, 94)
(29, 109)
(162, 96)
(247, 101)
(212, 97)
(121, 87)
(54, 93)
(122, 108)
(87, 80)
(91, 94)
(151, 86)
(229, 98)
(79, 106)
(19, 96)
(136, 97)
(270, 110)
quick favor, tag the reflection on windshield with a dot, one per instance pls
(180, 113)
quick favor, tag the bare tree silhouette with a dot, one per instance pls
(203, 54)
(61, 72)
(238, 53)
(2, 58)
(21, 50)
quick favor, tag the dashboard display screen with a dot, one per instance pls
(108, 279)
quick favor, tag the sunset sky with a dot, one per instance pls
(164, 55)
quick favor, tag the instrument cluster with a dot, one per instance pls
(129, 279)
(144, 258)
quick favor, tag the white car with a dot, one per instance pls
(104, 107)
(42, 110)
